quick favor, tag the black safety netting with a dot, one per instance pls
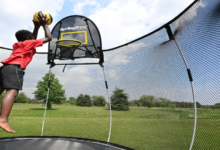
(157, 79)
(153, 65)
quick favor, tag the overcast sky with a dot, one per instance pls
(119, 21)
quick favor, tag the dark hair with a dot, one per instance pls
(22, 35)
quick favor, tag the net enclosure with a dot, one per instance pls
(170, 75)
(178, 62)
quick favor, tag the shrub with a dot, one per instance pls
(83, 100)
(98, 101)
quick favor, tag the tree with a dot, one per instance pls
(72, 100)
(98, 101)
(165, 102)
(147, 100)
(198, 105)
(119, 100)
(83, 100)
(56, 94)
(22, 98)
(134, 103)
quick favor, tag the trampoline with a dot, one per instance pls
(56, 143)
(158, 65)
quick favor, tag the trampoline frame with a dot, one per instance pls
(91, 141)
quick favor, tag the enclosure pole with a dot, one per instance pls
(106, 85)
(48, 90)
(194, 100)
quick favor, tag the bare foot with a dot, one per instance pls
(5, 126)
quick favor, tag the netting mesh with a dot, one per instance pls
(152, 66)
(66, 48)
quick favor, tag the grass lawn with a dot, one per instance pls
(139, 128)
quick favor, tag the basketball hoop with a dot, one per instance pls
(67, 48)
(68, 43)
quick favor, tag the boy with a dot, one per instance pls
(12, 71)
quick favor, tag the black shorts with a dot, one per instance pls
(11, 77)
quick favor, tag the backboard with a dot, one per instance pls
(76, 28)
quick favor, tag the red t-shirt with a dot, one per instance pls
(23, 52)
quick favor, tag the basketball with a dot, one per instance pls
(43, 13)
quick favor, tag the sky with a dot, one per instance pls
(118, 22)
(128, 19)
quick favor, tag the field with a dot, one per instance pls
(139, 128)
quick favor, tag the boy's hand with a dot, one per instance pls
(36, 24)
(43, 20)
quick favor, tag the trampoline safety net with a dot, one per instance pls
(165, 74)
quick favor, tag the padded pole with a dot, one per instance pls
(171, 37)
(48, 90)
(192, 87)
(169, 32)
(106, 85)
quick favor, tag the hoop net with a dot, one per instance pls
(67, 48)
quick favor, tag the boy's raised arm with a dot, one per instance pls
(43, 23)
(36, 28)
(48, 35)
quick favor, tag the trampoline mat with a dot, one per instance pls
(55, 143)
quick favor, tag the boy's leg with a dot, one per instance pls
(6, 106)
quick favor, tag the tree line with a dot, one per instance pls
(81, 100)
(87, 100)
(151, 101)
(118, 98)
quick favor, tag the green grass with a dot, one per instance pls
(140, 128)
